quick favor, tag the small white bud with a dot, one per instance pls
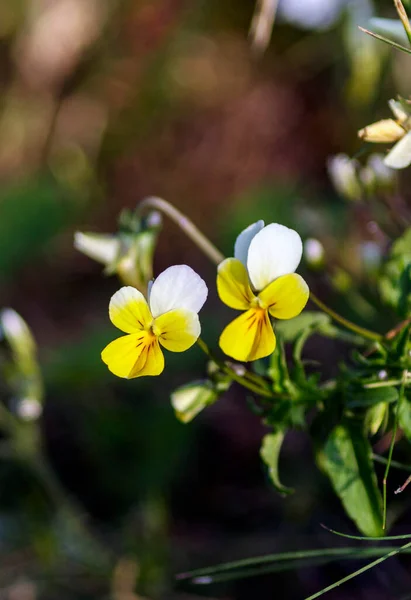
(29, 409)
(191, 399)
(314, 252)
(343, 174)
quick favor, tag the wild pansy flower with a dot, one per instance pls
(169, 319)
(260, 280)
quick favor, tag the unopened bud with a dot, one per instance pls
(376, 417)
(129, 253)
(29, 409)
(17, 333)
(314, 253)
(23, 373)
(384, 132)
(189, 400)
(343, 174)
(101, 247)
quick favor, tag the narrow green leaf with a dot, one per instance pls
(256, 565)
(346, 457)
(278, 370)
(365, 397)
(404, 416)
(270, 452)
(389, 27)
(291, 329)
(360, 571)
(386, 40)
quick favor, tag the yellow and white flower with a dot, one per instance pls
(169, 319)
(260, 280)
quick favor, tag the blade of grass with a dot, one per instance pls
(385, 40)
(363, 538)
(359, 571)
(243, 568)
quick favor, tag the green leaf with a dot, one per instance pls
(270, 452)
(346, 457)
(278, 370)
(389, 27)
(293, 328)
(395, 281)
(364, 397)
(386, 40)
(404, 416)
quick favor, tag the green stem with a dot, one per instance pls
(185, 225)
(217, 257)
(235, 376)
(366, 333)
(393, 440)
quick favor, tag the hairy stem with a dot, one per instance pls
(185, 225)
(366, 333)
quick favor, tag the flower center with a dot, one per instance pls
(256, 302)
(154, 330)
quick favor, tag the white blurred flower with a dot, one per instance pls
(311, 14)
(343, 172)
(29, 409)
(314, 252)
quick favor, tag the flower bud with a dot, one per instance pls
(22, 371)
(101, 247)
(314, 253)
(189, 400)
(343, 174)
(384, 132)
(129, 253)
(376, 417)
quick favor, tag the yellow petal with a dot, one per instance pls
(286, 296)
(129, 310)
(134, 355)
(151, 360)
(249, 337)
(382, 132)
(177, 330)
(233, 284)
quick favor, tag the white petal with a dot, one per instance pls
(276, 250)
(177, 287)
(243, 241)
(400, 155)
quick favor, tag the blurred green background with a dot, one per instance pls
(104, 102)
